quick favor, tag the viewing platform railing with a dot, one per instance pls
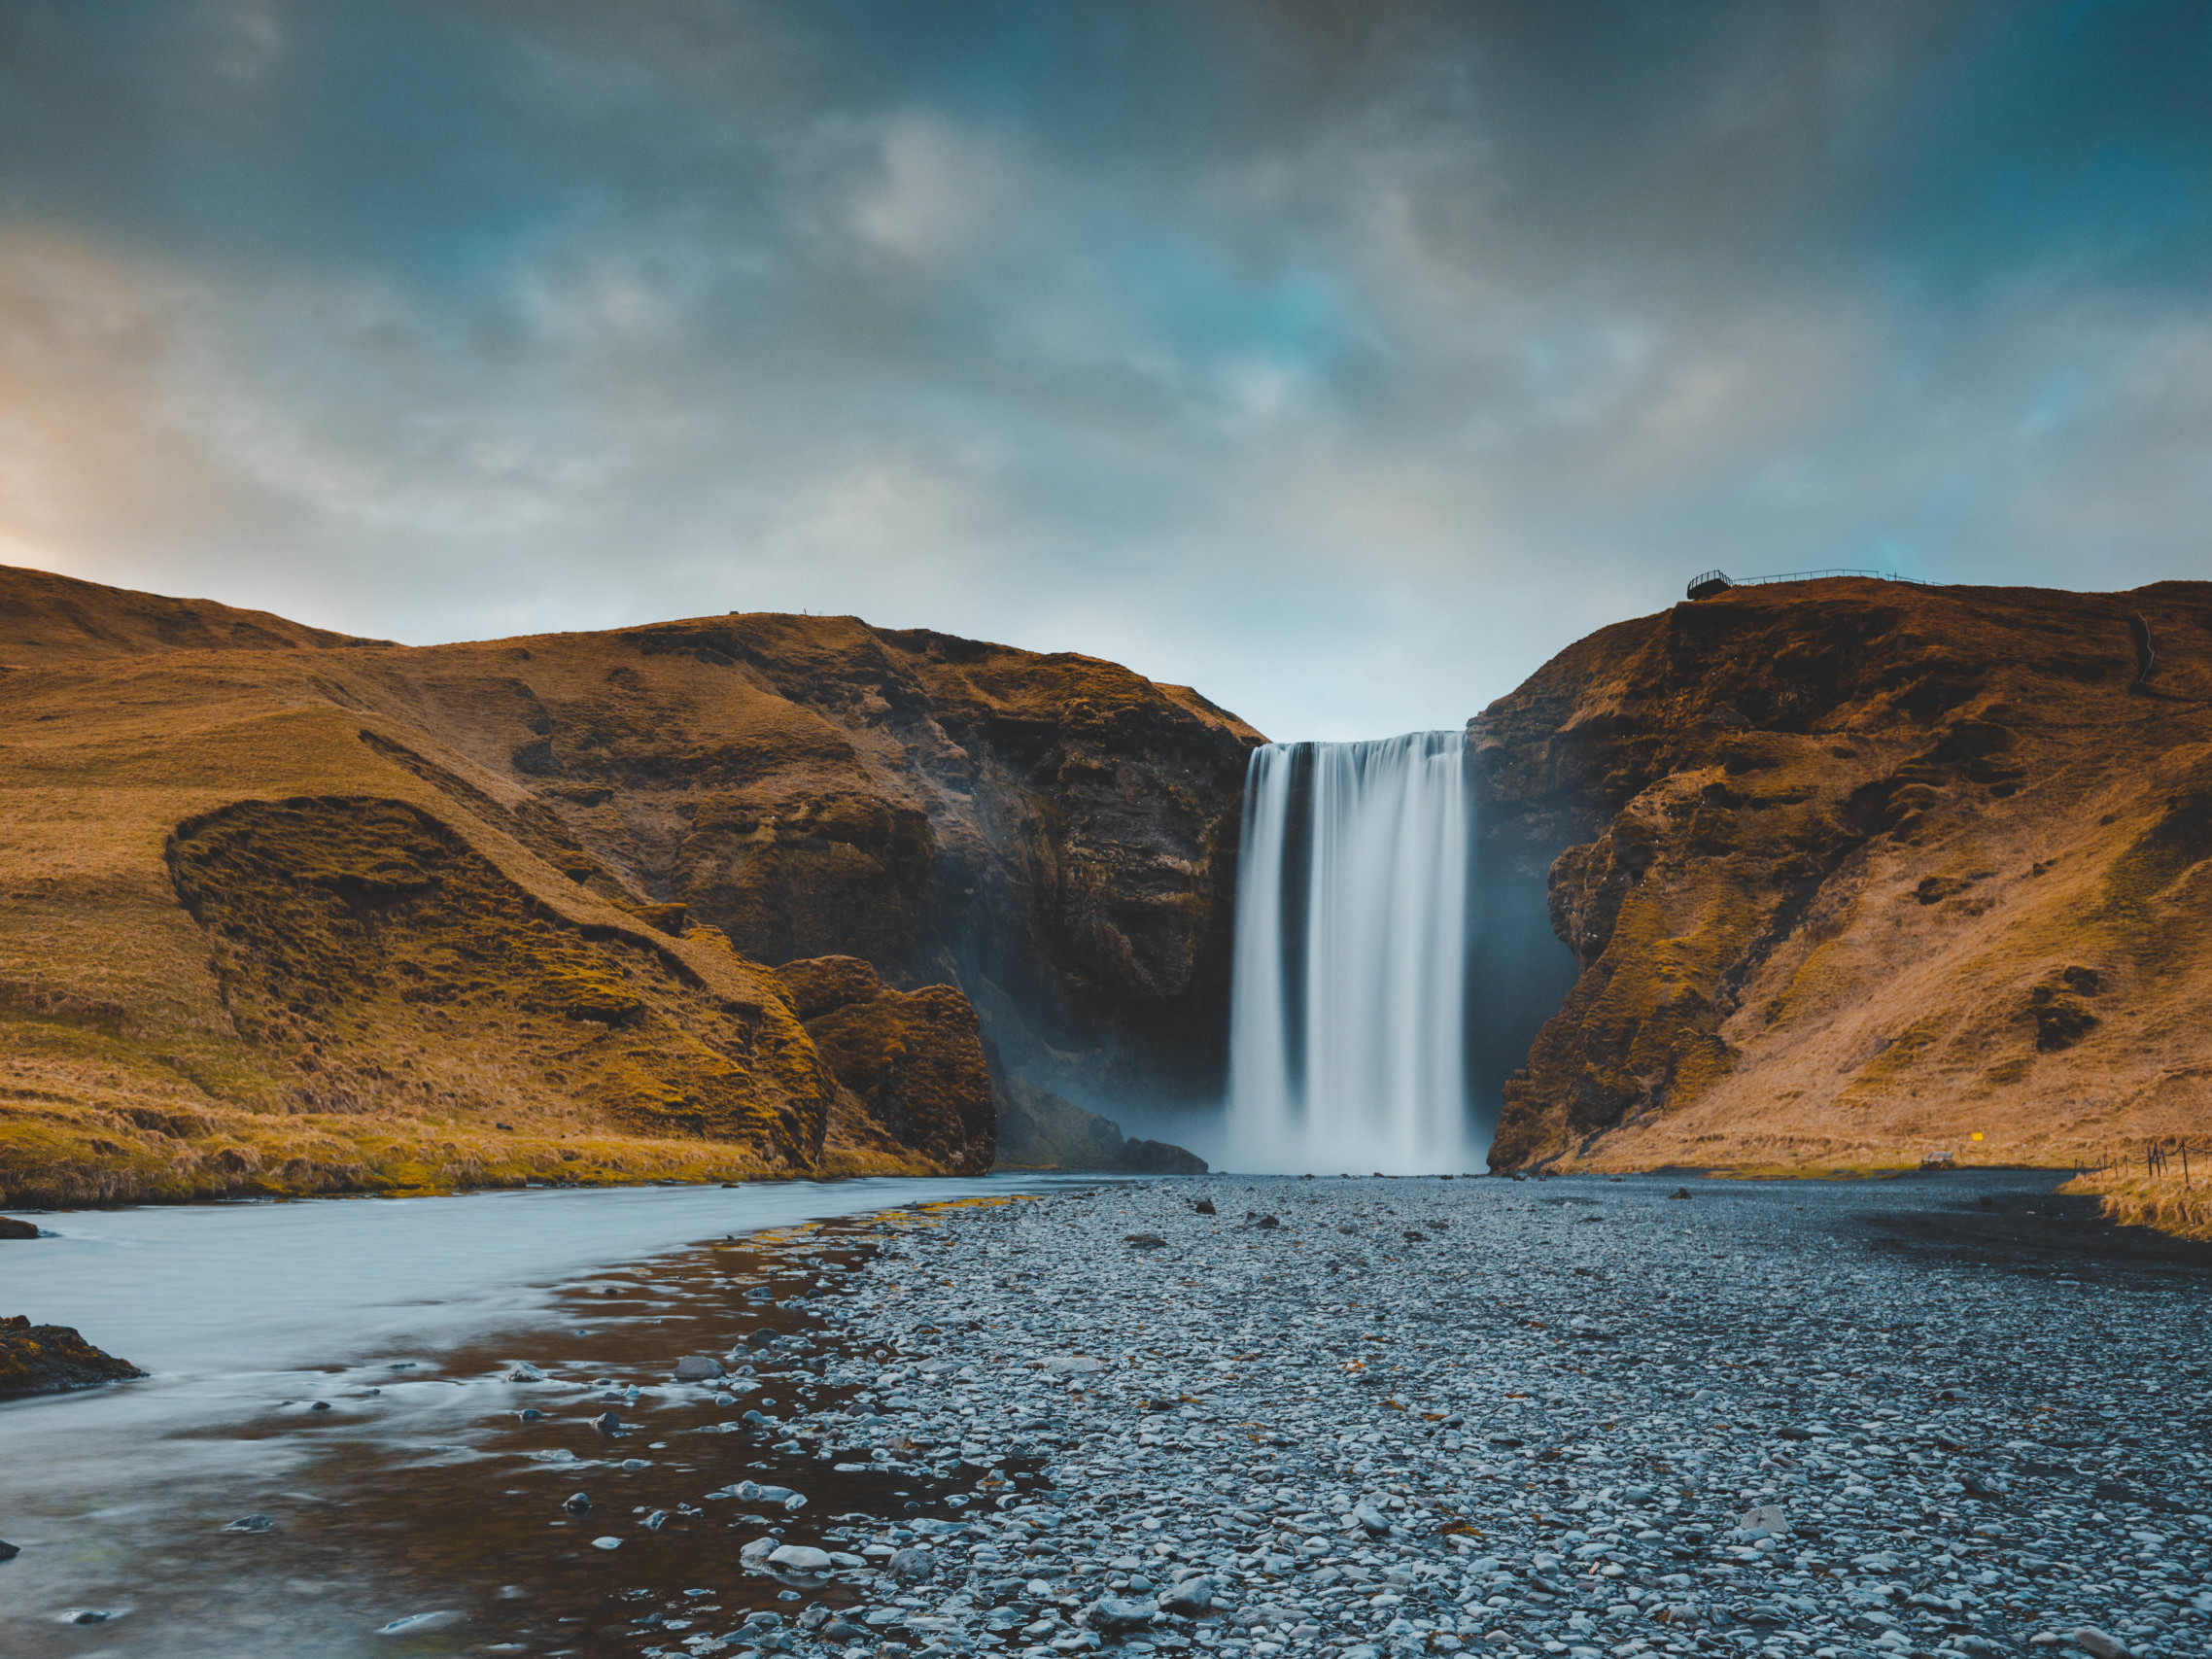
(1711, 582)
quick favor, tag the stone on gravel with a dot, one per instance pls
(2098, 1645)
(1115, 1616)
(800, 1558)
(1767, 1518)
(1190, 1597)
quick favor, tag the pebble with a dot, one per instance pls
(800, 1558)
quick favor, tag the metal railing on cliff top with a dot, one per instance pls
(1711, 582)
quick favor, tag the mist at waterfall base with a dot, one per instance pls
(1389, 971)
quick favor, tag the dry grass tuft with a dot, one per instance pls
(2162, 1201)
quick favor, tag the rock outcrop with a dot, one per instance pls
(295, 912)
(909, 1065)
(52, 1359)
(1853, 872)
(1037, 1129)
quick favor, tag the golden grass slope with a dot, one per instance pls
(398, 977)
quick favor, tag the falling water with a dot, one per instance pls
(1348, 1005)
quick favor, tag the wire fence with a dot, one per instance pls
(2186, 1158)
(2163, 1181)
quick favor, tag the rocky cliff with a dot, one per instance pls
(291, 910)
(1855, 872)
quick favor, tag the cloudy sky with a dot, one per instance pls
(1345, 361)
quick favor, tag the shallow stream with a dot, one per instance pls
(332, 1365)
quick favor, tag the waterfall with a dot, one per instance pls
(1349, 986)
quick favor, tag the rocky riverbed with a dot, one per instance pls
(1948, 1416)
(1567, 1417)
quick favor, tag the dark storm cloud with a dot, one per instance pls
(1344, 359)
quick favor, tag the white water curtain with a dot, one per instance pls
(1348, 1002)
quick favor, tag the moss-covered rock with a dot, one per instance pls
(52, 1359)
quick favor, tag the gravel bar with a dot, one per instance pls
(1579, 1417)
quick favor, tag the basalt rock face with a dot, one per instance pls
(293, 911)
(1852, 872)
(53, 1359)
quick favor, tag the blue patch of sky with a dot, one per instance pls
(2071, 140)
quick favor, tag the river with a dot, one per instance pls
(299, 1350)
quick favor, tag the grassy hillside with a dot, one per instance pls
(1858, 873)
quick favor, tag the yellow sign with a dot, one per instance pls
(1977, 1134)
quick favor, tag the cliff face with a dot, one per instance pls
(293, 911)
(1854, 871)
(1054, 834)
